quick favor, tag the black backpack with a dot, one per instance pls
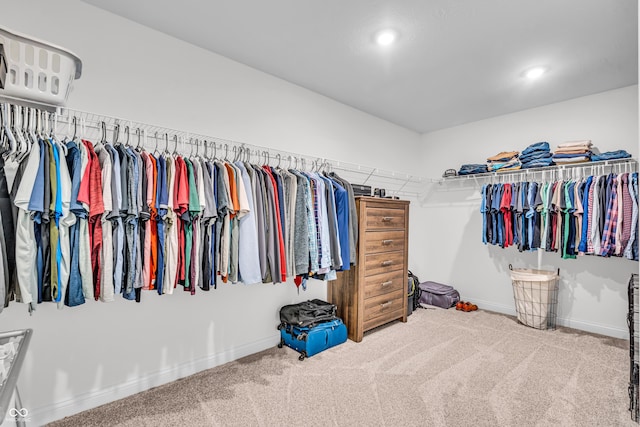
(414, 289)
(307, 313)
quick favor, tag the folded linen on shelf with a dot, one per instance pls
(538, 163)
(610, 155)
(535, 156)
(494, 166)
(586, 143)
(503, 156)
(580, 150)
(570, 160)
(510, 168)
(571, 155)
(472, 168)
(535, 147)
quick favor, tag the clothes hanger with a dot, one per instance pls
(75, 128)
(127, 134)
(156, 153)
(206, 151)
(196, 142)
(175, 143)
(21, 150)
(166, 146)
(103, 128)
(53, 125)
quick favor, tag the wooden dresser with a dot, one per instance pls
(374, 291)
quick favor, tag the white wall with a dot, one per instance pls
(592, 293)
(92, 354)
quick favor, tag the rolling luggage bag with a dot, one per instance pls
(312, 340)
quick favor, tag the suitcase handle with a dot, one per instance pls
(386, 304)
(387, 242)
(387, 283)
(387, 263)
(387, 218)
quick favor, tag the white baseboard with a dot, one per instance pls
(89, 400)
(562, 321)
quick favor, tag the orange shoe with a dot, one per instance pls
(469, 307)
(460, 305)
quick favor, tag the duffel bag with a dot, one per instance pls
(307, 313)
(439, 295)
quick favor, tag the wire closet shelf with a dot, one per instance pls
(67, 121)
(550, 173)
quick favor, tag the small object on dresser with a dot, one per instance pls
(379, 192)
(361, 190)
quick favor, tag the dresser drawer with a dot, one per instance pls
(382, 319)
(384, 219)
(382, 304)
(383, 263)
(383, 283)
(383, 241)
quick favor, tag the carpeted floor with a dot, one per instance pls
(441, 368)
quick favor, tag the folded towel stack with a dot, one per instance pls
(536, 156)
(504, 161)
(573, 152)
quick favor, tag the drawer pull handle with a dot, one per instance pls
(387, 283)
(387, 263)
(387, 241)
(386, 304)
(387, 218)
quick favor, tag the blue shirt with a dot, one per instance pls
(342, 210)
(74, 163)
(36, 202)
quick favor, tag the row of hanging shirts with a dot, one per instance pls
(97, 220)
(593, 215)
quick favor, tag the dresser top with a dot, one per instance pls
(381, 200)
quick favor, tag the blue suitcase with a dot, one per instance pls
(309, 341)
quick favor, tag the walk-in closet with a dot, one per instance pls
(452, 186)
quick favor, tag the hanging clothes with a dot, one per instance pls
(101, 220)
(596, 215)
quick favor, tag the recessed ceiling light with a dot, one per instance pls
(386, 37)
(535, 72)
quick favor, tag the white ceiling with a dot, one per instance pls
(456, 61)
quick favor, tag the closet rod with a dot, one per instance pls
(65, 115)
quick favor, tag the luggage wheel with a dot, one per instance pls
(302, 356)
(281, 343)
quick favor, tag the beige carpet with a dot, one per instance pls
(441, 368)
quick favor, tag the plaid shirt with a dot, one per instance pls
(590, 249)
(610, 222)
(627, 211)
